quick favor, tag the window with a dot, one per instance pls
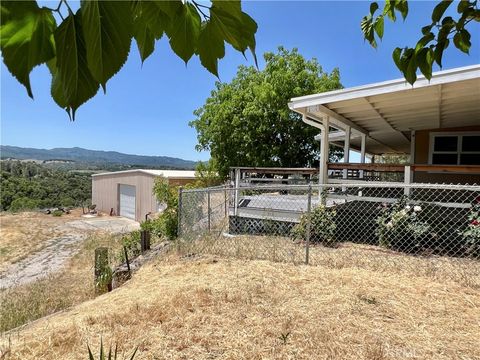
(455, 148)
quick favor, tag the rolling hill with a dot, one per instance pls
(93, 157)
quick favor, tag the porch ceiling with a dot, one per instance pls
(388, 111)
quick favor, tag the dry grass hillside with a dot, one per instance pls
(213, 308)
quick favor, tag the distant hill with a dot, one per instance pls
(93, 157)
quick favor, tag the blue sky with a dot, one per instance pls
(147, 109)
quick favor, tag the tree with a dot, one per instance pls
(436, 36)
(247, 122)
(90, 46)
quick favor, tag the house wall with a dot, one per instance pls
(105, 192)
(422, 146)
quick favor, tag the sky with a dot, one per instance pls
(146, 109)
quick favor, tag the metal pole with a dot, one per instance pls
(179, 211)
(209, 217)
(309, 222)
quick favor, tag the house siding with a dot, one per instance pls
(422, 147)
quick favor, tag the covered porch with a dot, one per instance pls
(436, 123)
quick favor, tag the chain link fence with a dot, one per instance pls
(421, 229)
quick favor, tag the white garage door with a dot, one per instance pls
(127, 201)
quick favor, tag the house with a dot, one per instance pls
(130, 193)
(436, 123)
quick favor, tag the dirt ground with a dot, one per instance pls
(205, 307)
(25, 233)
(33, 244)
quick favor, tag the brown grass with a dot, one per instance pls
(25, 233)
(72, 285)
(280, 249)
(202, 307)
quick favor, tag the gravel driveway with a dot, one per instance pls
(59, 249)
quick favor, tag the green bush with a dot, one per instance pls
(131, 242)
(322, 228)
(471, 234)
(23, 203)
(57, 213)
(400, 227)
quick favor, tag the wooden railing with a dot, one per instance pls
(464, 169)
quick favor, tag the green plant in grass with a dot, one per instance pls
(57, 213)
(110, 356)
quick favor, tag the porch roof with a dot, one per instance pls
(387, 111)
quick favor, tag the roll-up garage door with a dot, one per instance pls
(127, 201)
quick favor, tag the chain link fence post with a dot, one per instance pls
(209, 216)
(309, 224)
(179, 215)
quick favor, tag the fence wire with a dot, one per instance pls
(418, 229)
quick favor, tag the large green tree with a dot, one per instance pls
(247, 122)
(436, 36)
(91, 45)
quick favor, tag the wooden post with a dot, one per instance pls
(144, 240)
(237, 194)
(179, 212)
(346, 151)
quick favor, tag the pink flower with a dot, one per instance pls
(475, 222)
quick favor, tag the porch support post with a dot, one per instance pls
(362, 153)
(407, 179)
(346, 150)
(324, 152)
(237, 185)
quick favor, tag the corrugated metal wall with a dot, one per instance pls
(105, 191)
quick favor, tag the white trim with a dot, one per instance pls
(385, 87)
(177, 174)
(459, 135)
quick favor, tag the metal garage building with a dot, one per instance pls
(130, 193)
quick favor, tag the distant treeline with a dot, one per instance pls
(28, 185)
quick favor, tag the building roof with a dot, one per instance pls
(387, 111)
(177, 174)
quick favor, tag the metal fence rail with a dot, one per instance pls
(421, 229)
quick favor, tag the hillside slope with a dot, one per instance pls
(205, 308)
(92, 156)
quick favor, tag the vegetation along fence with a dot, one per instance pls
(422, 229)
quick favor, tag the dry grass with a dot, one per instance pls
(207, 307)
(24, 233)
(280, 249)
(73, 285)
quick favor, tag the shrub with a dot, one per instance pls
(471, 234)
(131, 242)
(401, 228)
(57, 213)
(23, 203)
(104, 356)
(322, 228)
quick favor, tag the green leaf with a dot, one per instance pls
(389, 9)
(440, 9)
(26, 38)
(142, 33)
(231, 28)
(427, 29)
(424, 41)
(379, 26)
(73, 76)
(185, 32)
(373, 7)
(211, 47)
(439, 49)
(234, 7)
(411, 71)
(462, 41)
(107, 29)
(424, 60)
(150, 12)
(462, 6)
(396, 58)
(402, 6)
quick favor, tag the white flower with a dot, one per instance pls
(389, 225)
(407, 207)
(417, 208)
